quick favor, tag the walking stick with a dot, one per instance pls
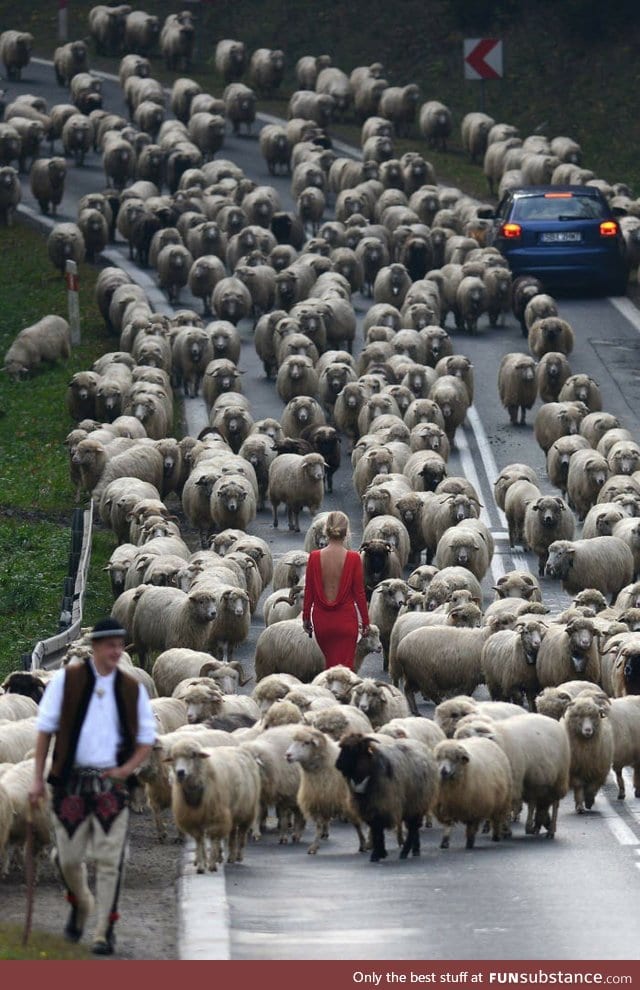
(29, 872)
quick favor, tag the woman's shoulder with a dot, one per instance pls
(353, 555)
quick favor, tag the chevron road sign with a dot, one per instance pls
(482, 58)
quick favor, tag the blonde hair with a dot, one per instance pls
(337, 525)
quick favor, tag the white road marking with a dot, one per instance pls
(627, 309)
(203, 912)
(615, 824)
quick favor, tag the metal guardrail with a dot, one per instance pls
(46, 652)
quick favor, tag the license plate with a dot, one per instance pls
(561, 237)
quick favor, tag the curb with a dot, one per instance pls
(203, 911)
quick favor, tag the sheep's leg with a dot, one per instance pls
(620, 782)
(298, 825)
(636, 780)
(161, 828)
(551, 827)
(241, 843)
(322, 827)
(499, 827)
(399, 834)
(274, 506)
(232, 845)
(446, 835)
(201, 854)
(362, 842)
(412, 841)
(513, 415)
(578, 795)
(523, 415)
(589, 797)
(472, 828)
(409, 693)
(378, 851)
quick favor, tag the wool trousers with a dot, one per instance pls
(107, 849)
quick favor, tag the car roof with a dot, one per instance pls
(592, 191)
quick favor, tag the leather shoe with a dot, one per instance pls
(104, 946)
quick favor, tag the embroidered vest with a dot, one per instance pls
(79, 680)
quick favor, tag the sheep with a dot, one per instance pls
(379, 701)
(517, 385)
(567, 652)
(280, 780)
(586, 475)
(10, 193)
(391, 285)
(177, 40)
(145, 463)
(474, 785)
(519, 585)
(434, 124)
(168, 617)
(272, 688)
(557, 419)
(442, 584)
(550, 334)
(546, 520)
(466, 545)
(440, 660)
(14, 707)
(240, 106)
(379, 562)
(623, 457)
(15, 52)
(323, 793)
(442, 511)
(592, 749)
(337, 720)
(582, 388)
(46, 179)
(509, 662)
(215, 796)
(453, 399)
(422, 729)
(285, 648)
(623, 715)
(552, 372)
(174, 264)
(231, 300)
(393, 781)
(118, 160)
(539, 755)
(389, 529)
(559, 457)
(290, 569)
(603, 562)
(296, 480)
(449, 714)
(628, 530)
(340, 680)
(474, 130)
(204, 701)
(595, 425)
(509, 475)
(17, 738)
(19, 817)
(266, 69)
(47, 340)
(65, 243)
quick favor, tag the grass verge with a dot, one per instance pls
(36, 498)
(40, 946)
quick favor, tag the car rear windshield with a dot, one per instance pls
(558, 208)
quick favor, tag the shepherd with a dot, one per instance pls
(104, 729)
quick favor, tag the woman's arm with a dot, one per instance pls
(357, 589)
(309, 591)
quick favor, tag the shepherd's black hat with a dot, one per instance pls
(106, 628)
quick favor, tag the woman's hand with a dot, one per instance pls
(308, 628)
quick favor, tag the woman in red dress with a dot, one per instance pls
(334, 588)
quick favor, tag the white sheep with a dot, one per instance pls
(591, 741)
(298, 481)
(440, 660)
(603, 562)
(215, 797)
(323, 793)
(569, 651)
(475, 785)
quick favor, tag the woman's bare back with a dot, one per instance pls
(332, 561)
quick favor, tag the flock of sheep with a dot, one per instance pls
(313, 744)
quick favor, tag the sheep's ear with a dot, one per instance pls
(535, 506)
(201, 756)
(167, 759)
(560, 502)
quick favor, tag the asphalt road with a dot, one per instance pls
(575, 897)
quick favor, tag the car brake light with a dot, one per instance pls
(511, 230)
(608, 228)
(563, 195)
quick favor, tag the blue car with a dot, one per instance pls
(564, 235)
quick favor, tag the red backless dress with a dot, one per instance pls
(335, 623)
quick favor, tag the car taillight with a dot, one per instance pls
(511, 230)
(608, 228)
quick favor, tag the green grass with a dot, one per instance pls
(40, 946)
(569, 68)
(36, 498)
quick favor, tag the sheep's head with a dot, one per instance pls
(360, 757)
(235, 602)
(313, 466)
(340, 681)
(186, 757)
(560, 560)
(581, 633)
(202, 606)
(202, 701)
(531, 633)
(371, 643)
(465, 616)
(519, 584)
(451, 759)
(449, 713)
(583, 717)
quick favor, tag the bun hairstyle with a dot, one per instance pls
(337, 525)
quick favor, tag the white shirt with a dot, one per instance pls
(100, 734)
